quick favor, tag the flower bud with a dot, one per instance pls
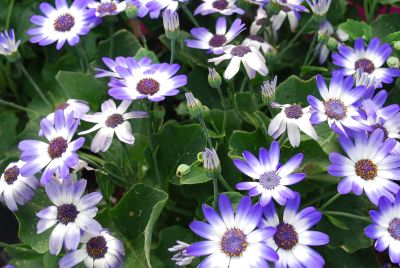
(181, 258)
(323, 37)
(214, 79)
(268, 90)
(194, 105)
(131, 9)
(332, 43)
(159, 112)
(211, 162)
(171, 24)
(182, 170)
(393, 62)
(396, 45)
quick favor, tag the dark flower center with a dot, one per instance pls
(62, 106)
(365, 65)
(294, 111)
(107, 8)
(335, 109)
(96, 247)
(394, 228)
(240, 51)
(379, 126)
(64, 23)
(11, 174)
(234, 242)
(366, 169)
(114, 120)
(66, 213)
(269, 180)
(260, 21)
(57, 147)
(148, 86)
(220, 4)
(217, 40)
(256, 38)
(286, 236)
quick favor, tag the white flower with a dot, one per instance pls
(259, 20)
(319, 7)
(251, 58)
(107, 7)
(109, 121)
(258, 42)
(181, 258)
(293, 118)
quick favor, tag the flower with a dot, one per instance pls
(109, 121)
(271, 178)
(58, 155)
(378, 100)
(294, 118)
(386, 227)
(15, 188)
(8, 46)
(211, 161)
(364, 79)
(144, 64)
(233, 239)
(140, 8)
(215, 42)
(258, 21)
(268, 89)
(61, 24)
(224, 7)
(72, 213)
(289, 8)
(251, 58)
(97, 250)
(154, 82)
(339, 104)
(181, 258)
(171, 24)
(319, 7)
(293, 238)
(193, 105)
(214, 79)
(369, 60)
(156, 6)
(258, 42)
(107, 7)
(368, 165)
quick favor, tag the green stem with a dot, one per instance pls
(190, 16)
(347, 215)
(173, 43)
(311, 48)
(9, 13)
(182, 211)
(330, 201)
(82, 55)
(110, 50)
(151, 145)
(224, 183)
(33, 83)
(243, 84)
(16, 106)
(215, 188)
(205, 130)
(372, 10)
(225, 106)
(328, 139)
(139, 29)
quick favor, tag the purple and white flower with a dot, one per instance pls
(144, 64)
(386, 227)
(15, 188)
(107, 7)
(293, 118)
(270, 177)
(8, 46)
(97, 250)
(110, 120)
(58, 155)
(370, 60)
(181, 258)
(233, 239)
(154, 83)
(61, 24)
(293, 236)
(141, 8)
(319, 7)
(223, 7)
(215, 42)
(258, 42)
(258, 21)
(251, 58)
(339, 104)
(364, 79)
(368, 165)
(290, 9)
(379, 100)
(156, 6)
(72, 214)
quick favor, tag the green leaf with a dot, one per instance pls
(50, 261)
(146, 53)
(336, 11)
(195, 176)
(8, 122)
(215, 118)
(340, 258)
(295, 90)
(356, 29)
(312, 70)
(125, 44)
(388, 2)
(247, 141)
(34, 263)
(20, 251)
(247, 104)
(105, 184)
(393, 37)
(385, 25)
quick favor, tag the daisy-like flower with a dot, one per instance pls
(364, 79)
(15, 188)
(181, 258)
(290, 9)
(144, 64)
(215, 42)
(154, 83)
(293, 236)
(338, 105)
(270, 177)
(293, 118)
(370, 60)
(379, 100)
(223, 7)
(72, 213)
(386, 227)
(233, 239)
(62, 23)
(258, 42)
(251, 58)
(107, 7)
(156, 6)
(369, 165)
(110, 120)
(319, 7)
(8, 46)
(58, 155)
(258, 21)
(97, 250)
(268, 90)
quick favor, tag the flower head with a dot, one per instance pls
(270, 177)
(293, 238)
(251, 58)
(319, 7)
(156, 6)
(8, 46)
(58, 155)
(232, 238)
(171, 24)
(110, 120)
(98, 250)
(107, 7)
(268, 89)
(386, 227)
(211, 161)
(215, 42)
(181, 258)
(138, 8)
(290, 9)
(370, 60)
(223, 7)
(258, 21)
(72, 214)
(15, 188)
(258, 42)
(214, 79)
(61, 24)
(364, 79)
(368, 165)
(143, 64)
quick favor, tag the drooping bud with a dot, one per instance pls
(182, 170)
(214, 79)
(194, 105)
(332, 43)
(8, 46)
(268, 90)
(171, 24)
(211, 162)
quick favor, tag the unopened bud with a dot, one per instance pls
(214, 79)
(131, 9)
(396, 45)
(211, 162)
(182, 170)
(332, 43)
(194, 105)
(171, 24)
(268, 90)
(159, 112)
(393, 62)
(323, 37)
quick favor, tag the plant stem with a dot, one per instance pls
(111, 48)
(310, 49)
(205, 130)
(9, 12)
(82, 55)
(190, 15)
(224, 183)
(328, 139)
(243, 84)
(16, 106)
(215, 188)
(151, 145)
(330, 201)
(225, 106)
(139, 29)
(347, 215)
(173, 43)
(33, 83)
